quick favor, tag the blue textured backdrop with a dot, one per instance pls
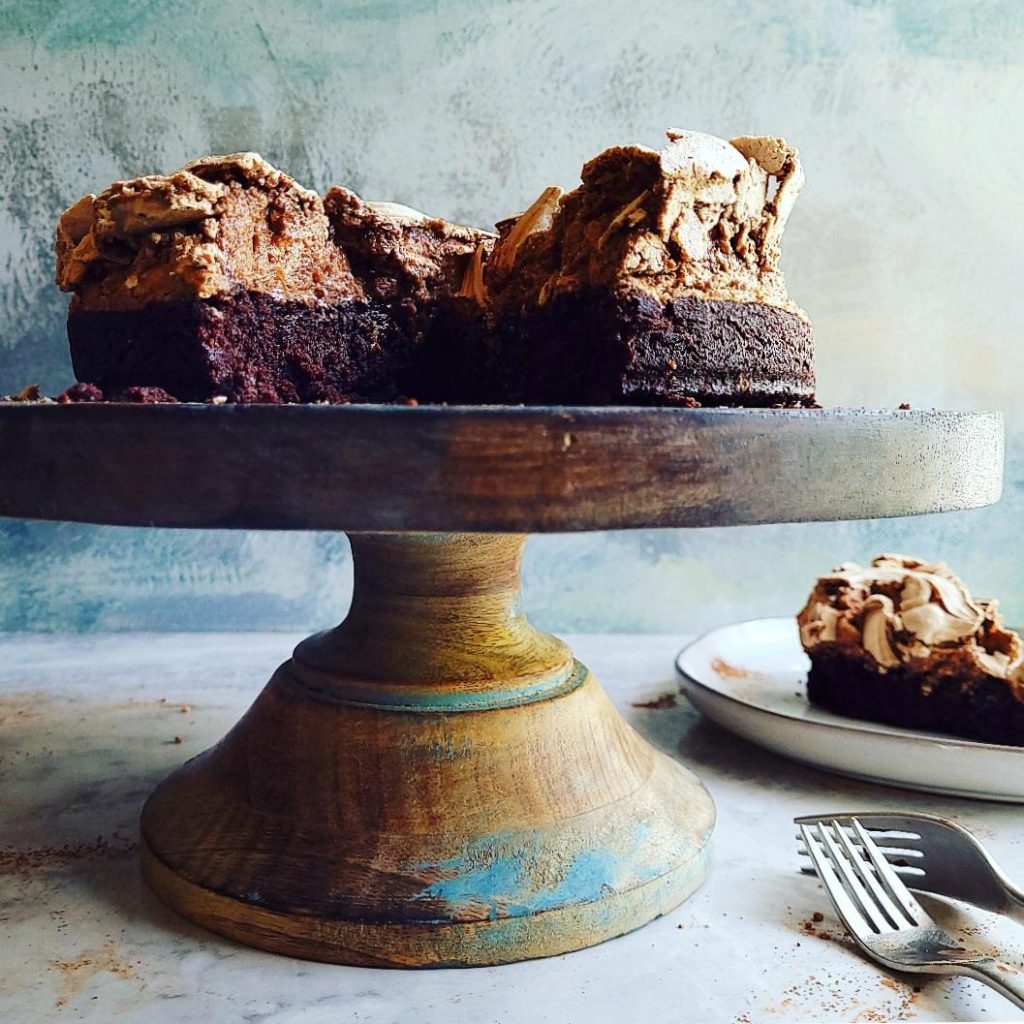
(905, 248)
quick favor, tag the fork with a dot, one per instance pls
(936, 855)
(884, 918)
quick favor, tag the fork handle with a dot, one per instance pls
(1006, 980)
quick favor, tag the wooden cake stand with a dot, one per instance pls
(435, 782)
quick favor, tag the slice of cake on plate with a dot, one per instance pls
(656, 281)
(226, 278)
(904, 642)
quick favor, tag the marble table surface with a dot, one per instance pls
(89, 724)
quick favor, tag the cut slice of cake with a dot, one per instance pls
(904, 642)
(226, 278)
(656, 281)
(417, 267)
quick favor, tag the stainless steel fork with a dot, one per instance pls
(884, 918)
(933, 854)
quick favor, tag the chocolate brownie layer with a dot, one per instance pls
(246, 346)
(943, 698)
(598, 348)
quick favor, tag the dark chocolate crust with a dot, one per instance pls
(246, 346)
(961, 703)
(602, 348)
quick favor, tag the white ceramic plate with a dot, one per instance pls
(749, 677)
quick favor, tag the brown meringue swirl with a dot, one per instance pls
(227, 222)
(700, 217)
(198, 232)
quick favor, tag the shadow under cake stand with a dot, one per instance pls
(435, 782)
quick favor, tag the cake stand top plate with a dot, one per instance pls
(488, 469)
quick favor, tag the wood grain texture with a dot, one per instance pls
(488, 469)
(432, 783)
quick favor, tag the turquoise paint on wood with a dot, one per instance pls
(443, 699)
(506, 888)
(518, 874)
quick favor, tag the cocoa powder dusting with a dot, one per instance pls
(727, 671)
(14, 861)
(659, 703)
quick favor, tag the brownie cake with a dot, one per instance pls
(904, 642)
(656, 281)
(227, 279)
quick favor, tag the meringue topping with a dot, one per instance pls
(399, 253)
(227, 222)
(901, 610)
(701, 217)
(211, 226)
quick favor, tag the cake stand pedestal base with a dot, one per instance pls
(432, 783)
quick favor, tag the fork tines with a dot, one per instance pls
(867, 893)
(896, 845)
